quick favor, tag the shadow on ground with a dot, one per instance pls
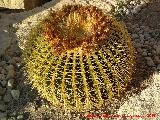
(35, 104)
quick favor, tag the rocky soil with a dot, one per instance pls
(18, 101)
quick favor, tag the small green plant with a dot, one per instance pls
(78, 58)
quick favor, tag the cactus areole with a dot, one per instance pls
(78, 57)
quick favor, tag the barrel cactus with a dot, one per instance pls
(78, 57)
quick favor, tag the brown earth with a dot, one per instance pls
(149, 16)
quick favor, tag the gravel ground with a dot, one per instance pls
(19, 101)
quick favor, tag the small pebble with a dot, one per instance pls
(11, 71)
(137, 8)
(10, 83)
(11, 74)
(139, 50)
(135, 36)
(17, 59)
(150, 61)
(12, 118)
(141, 31)
(158, 50)
(153, 52)
(2, 76)
(138, 45)
(7, 97)
(147, 36)
(3, 107)
(3, 63)
(19, 117)
(3, 118)
(158, 67)
(149, 54)
(157, 59)
(3, 82)
(3, 114)
(12, 61)
(144, 54)
(143, 3)
(141, 37)
(2, 90)
(15, 94)
(10, 67)
(3, 72)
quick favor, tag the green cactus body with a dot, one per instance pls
(74, 73)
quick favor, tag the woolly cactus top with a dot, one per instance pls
(76, 28)
(78, 58)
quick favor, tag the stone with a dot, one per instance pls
(158, 50)
(3, 63)
(10, 67)
(157, 59)
(143, 3)
(128, 12)
(153, 52)
(3, 107)
(139, 50)
(20, 117)
(138, 8)
(18, 65)
(17, 59)
(132, 2)
(146, 29)
(7, 57)
(11, 71)
(155, 46)
(146, 46)
(149, 54)
(3, 82)
(10, 83)
(137, 29)
(7, 97)
(20, 4)
(3, 118)
(158, 67)
(150, 61)
(144, 54)
(152, 39)
(15, 94)
(135, 36)
(141, 36)
(1, 68)
(11, 118)
(151, 43)
(11, 74)
(147, 36)
(158, 41)
(146, 42)
(12, 61)
(3, 71)
(138, 45)
(3, 114)
(2, 76)
(2, 90)
(14, 113)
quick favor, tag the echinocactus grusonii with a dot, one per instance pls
(78, 57)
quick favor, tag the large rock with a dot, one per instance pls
(20, 4)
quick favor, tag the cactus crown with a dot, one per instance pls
(76, 27)
(78, 58)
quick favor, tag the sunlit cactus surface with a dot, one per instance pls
(78, 57)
